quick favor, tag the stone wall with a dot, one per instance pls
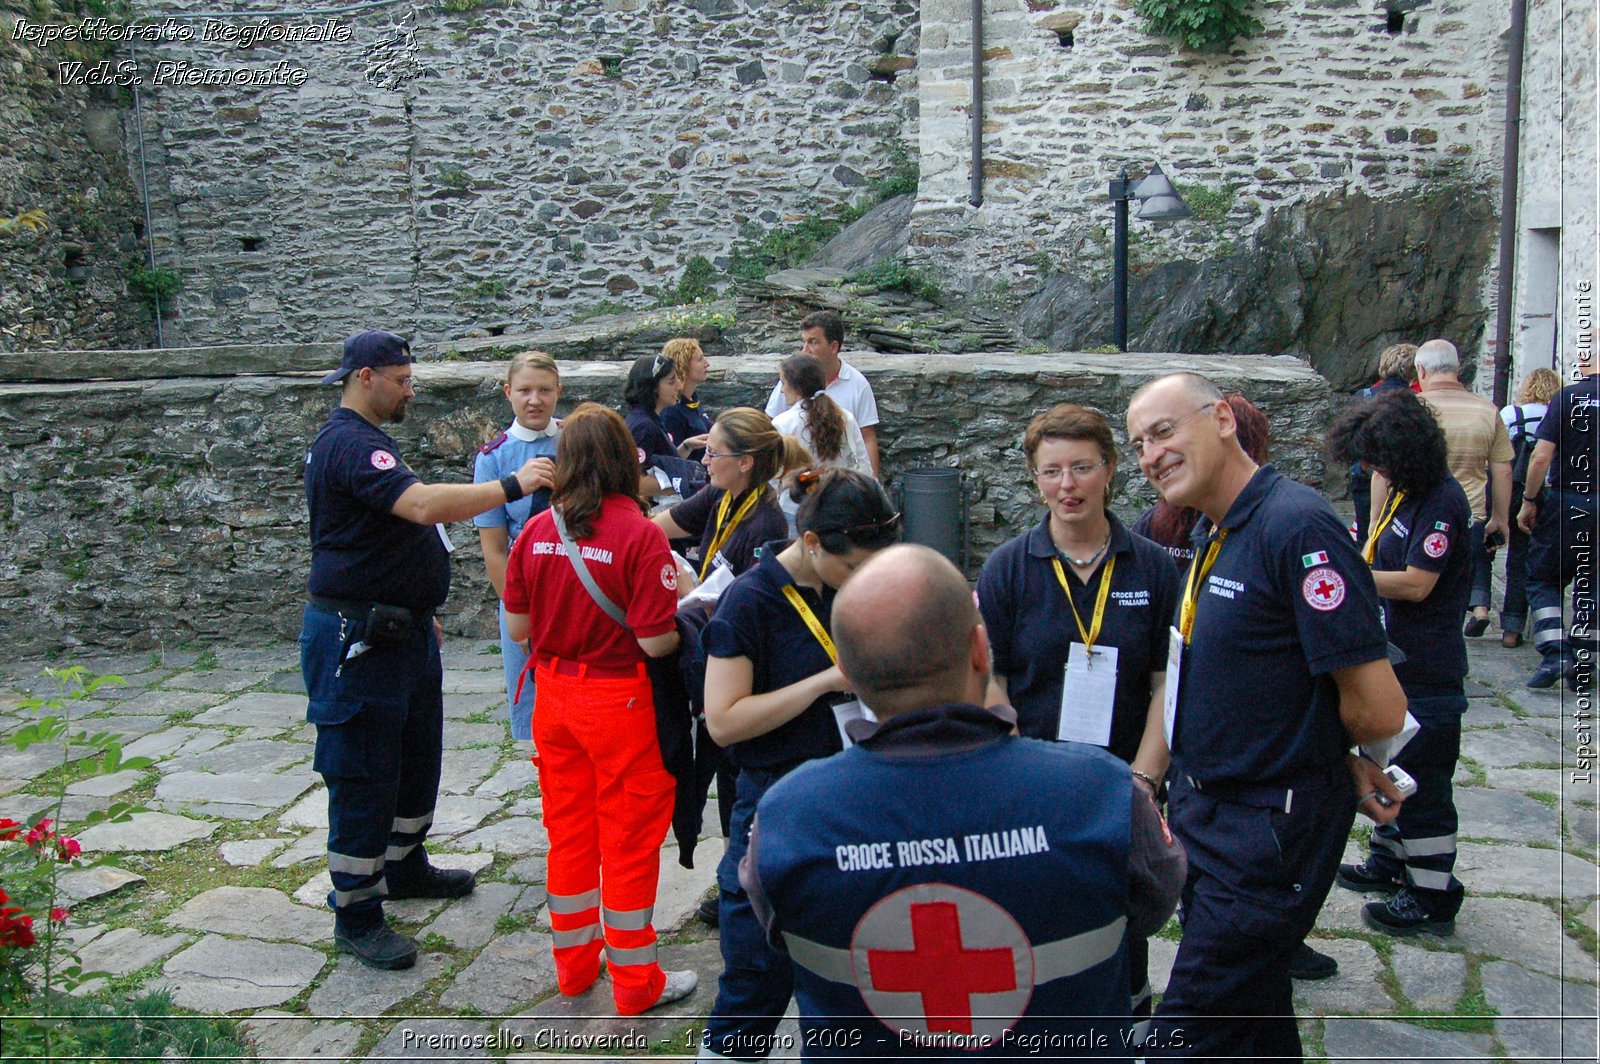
(157, 512)
(526, 160)
(1556, 215)
(61, 155)
(1327, 99)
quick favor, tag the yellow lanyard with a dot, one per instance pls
(1099, 600)
(1191, 589)
(1370, 550)
(792, 593)
(725, 530)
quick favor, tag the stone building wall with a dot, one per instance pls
(65, 283)
(155, 512)
(1553, 323)
(1326, 100)
(524, 160)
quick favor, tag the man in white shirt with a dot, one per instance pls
(821, 336)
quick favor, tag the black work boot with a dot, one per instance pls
(426, 881)
(1369, 877)
(378, 946)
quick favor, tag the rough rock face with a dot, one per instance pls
(878, 234)
(1294, 291)
(61, 154)
(141, 513)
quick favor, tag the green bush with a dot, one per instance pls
(1208, 204)
(154, 287)
(694, 286)
(897, 275)
(115, 1027)
(1201, 25)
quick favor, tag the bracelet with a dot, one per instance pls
(1533, 498)
(512, 487)
(1154, 786)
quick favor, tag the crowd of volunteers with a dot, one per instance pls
(953, 817)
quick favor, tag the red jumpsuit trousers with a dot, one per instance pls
(607, 806)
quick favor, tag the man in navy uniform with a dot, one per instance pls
(369, 645)
(946, 885)
(1277, 662)
(1562, 521)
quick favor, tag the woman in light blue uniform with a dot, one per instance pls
(533, 384)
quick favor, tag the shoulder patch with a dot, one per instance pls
(492, 444)
(1436, 544)
(383, 460)
(1323, 589)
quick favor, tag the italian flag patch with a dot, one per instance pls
(1319, 558)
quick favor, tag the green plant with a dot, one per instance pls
(903, 174)
(1201, 25)
(698, 317)
(112, 1026)
(1208, 204)
(155, 286)
(488, 290)
(611, 66)
(31, 863)
(694, 285)
(897, 275)
(453, 176)
(598, 310)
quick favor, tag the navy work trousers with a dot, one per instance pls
(1562, 551)
(380, 730)
(1421, 841)
(1258, 875)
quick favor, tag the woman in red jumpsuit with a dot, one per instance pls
(607, 798)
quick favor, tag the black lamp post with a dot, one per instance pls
(1158, 202)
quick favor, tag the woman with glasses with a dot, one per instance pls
(652, 387)
(606, 797)
(685, 422)
(1077, 610)
(772, 682)
(737, 511)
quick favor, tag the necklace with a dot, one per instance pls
(1084, 563)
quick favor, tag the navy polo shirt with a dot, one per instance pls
(1030, 626)
(1430, 533)
(648, 433)
(755, 620)
(684, 419)
(1570, 424)
(359, 550)
(697, 516)
(1288, 601)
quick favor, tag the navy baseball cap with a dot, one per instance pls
(372, 348)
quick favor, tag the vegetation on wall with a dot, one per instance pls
(695, 285)
(154, 287)
(1201, 25)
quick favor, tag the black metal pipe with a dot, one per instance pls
(975, 193)
(1508, 203)
(1119, 261)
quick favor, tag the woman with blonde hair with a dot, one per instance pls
(607, 798)
(735, 514)
(684, 421)
(1522, 420)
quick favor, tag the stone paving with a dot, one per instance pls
(216, 892)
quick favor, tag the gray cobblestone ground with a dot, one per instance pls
(216, 892)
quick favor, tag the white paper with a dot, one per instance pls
(444, 537)
(1384, 752)
(710, 588)
(1088, 695)
(845, 712)
(1169, 704)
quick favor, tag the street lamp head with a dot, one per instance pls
(1158, 200)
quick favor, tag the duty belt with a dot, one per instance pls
(355, 608)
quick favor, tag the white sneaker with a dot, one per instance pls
(679, 985)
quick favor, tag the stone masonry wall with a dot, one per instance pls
(1325, 99)
(156, 512)
(530, 159)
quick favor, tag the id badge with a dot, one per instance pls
(1088, 695)
(845, 712)
(1169, 703)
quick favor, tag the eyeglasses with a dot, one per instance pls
(1078, 470)
(1162, 431)
(407, 383)
(712, 456)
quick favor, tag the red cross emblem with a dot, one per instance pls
(937, 959)
(1436, 544)
(382, 460)
(1323, 589)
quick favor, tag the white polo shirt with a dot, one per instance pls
(849, 389)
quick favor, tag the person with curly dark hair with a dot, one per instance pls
(1420, 550)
